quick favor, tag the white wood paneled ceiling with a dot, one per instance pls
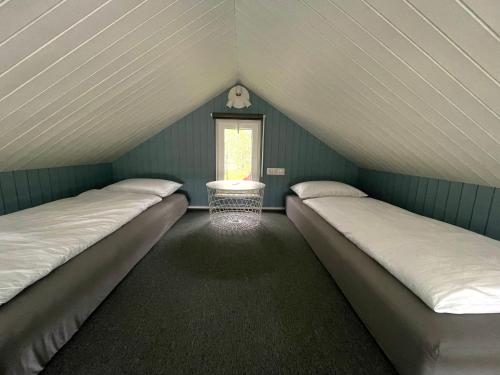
(85, 81)
(409, 86)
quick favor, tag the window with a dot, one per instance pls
(238, 149)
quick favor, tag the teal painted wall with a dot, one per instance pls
(24, 189)
(469, 206)
(185, 152)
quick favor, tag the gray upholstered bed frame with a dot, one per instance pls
(41, 319)
(417, 340)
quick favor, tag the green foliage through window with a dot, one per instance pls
(238, 154)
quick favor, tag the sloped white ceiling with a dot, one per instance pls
(84, 81)
(409, 86)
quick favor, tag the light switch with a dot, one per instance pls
(275, 171)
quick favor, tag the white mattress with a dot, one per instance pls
(35, 241)
(449, 268)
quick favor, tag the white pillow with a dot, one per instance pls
(315, 189)
(153, 186)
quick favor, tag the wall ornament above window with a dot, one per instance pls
(238, 97)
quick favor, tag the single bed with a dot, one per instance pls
(417, 340)
(38, 321)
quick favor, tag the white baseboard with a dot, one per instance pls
(264, 208)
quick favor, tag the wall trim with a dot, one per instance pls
(237, 116)
(263, 208)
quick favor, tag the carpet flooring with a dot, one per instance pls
(207, 302)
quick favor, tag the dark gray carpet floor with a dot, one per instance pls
(205, 302)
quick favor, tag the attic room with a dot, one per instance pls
(249, 187)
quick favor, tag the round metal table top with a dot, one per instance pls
(230, 185)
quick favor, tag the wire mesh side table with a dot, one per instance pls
(235, 205)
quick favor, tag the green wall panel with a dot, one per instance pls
(430, 197)
(453, 202)
(9, 193)
(493, 221)
(185, 152)
(479, 217)
(24, 189)
(470, 206)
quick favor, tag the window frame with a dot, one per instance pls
(256, 125)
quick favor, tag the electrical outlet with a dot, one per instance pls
(275, 171)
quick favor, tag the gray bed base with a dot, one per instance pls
(35, 324)
(417, 340)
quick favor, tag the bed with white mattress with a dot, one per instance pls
(35, 241)
(452, 270)
(59, 261)
(429, 292)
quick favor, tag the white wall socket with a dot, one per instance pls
(275, 171)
